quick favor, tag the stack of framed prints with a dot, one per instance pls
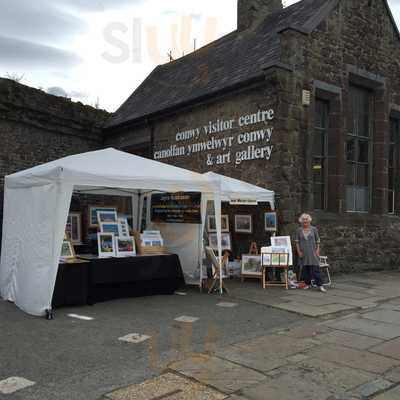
(152, 243)
(108, 221)
(152, 239)
(281, 245)
(113, 240)
(110, 245)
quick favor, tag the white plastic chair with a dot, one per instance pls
(323, 265)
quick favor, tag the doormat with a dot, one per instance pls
(167, 387)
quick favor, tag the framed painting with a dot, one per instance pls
(92, 216)
(243, 224)
(110, 228)
(281, 241)
(67, 250)
(125, 246)
(251, 265)
(123, 227)
(106, 245)
(225, 241)
(107, 217)
(271, 222)
(212, 226)
(74, 227)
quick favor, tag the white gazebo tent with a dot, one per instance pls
(234, 190)
(36, 206)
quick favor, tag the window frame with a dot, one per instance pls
(393, 145)
(323, 157)
(353, 133)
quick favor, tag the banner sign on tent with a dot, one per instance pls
(243, 202)
(176, 208)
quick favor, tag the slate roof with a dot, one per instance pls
(235, 58)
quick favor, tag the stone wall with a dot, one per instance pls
(36, 128)
(357, 45)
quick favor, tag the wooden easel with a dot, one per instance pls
(253, 249)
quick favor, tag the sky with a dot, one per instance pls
(99, 51)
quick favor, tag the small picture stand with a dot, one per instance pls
(277, 261)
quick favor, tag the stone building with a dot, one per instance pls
(36, 127)
(303, 100)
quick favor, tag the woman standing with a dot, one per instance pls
(307, 245)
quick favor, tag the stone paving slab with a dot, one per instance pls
(312, 379)
(220, 374)
(265, 353)
(312, 311)
(348, 339)
(393, 394)
(389, 306)
(363, 326)
(353, 358)
(347, 293)
(389, 349)
(259, 361)
(389, 316)
(393, 375)
(371, 388)
(305, 331)
(167, 387)
(321, 300)
(350, 293)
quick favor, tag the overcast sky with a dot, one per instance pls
(89, 49)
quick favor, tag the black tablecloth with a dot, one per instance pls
(113, 278)
(72, 284)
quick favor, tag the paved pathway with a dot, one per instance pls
(349, 351)
(348, 293)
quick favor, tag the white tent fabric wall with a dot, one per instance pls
(33, 229)
(184, 240)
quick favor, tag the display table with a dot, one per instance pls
(100, 279)
(72, 284)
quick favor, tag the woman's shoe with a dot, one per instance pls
(322, 289)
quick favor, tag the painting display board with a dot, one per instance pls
(176, 208)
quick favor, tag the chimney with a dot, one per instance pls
(252, 12)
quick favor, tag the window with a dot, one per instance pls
(393, 162)
(320, 153)
(358, 150)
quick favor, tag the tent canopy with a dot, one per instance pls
(37, 202)
(112, 168)
(233, 189)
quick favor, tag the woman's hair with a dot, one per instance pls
(305, 217)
